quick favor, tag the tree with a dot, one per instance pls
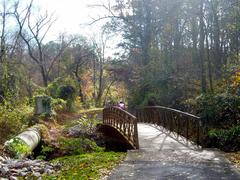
(202, 51)
(34, 35)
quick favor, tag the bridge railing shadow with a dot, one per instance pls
(178, 138)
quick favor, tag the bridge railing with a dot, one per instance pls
(124, 122)
(182, 123)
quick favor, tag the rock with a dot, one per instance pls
(29, 169)
(4, 170)
(2, 159)
(36, 169)
(36, 174)
(48, 167)
(23, 174)
(13, 178)
(24, 169)
(14, 174)
(16, 171)
(17, 165)
(48, 171)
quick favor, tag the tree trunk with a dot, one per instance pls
(100, 86)
(209, 65)
(201, 55)
(44, 76)
(216, 37)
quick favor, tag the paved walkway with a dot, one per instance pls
(163, 157)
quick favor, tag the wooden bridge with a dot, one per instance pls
(168, 150)
(124, 122)
(181, 124)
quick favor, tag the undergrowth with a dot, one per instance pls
(225, 139)
(76, 146)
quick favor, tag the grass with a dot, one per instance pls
(87, 166)
(90, 110)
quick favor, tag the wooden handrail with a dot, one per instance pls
(124, 122)
(182, 123)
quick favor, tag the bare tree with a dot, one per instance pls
(34, 36)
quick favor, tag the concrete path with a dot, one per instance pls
(162, 156)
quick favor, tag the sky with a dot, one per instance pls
(72, 16)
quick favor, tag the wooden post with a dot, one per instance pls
(136, 134)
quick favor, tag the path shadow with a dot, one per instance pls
(180, 139)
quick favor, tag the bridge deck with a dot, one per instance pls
(163, 157)
(156, 138)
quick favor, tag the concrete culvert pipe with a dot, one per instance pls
(23, 144)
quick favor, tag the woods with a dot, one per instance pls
(187, 44)
(184, 55)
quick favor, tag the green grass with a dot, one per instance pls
(92, 110)
(87, 166)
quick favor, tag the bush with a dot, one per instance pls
(12, 120)
(54, 87)
(76, 146)
(227, 139)
(59, 105)
(220, 110)
(63, 92)
(67, 93)
(46, 150)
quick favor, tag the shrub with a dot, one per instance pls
(62, 88)
(220, 110)
(67, 93)
(75, 146)
(225, 139)
(46, 150)
(59, 105)
(12, 120)
(54, 87)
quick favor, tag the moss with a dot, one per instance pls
(17, 148)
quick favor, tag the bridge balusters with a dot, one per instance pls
(129, 129)
(178, 125)
(187, 127)
(160, 117)
(124, 122)
(184, 124)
